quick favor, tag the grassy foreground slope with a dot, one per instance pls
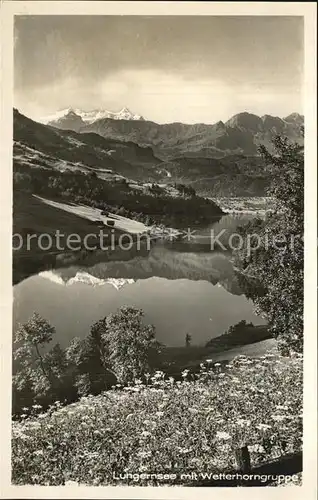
(163, 426)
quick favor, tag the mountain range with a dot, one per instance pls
(241, 134)
(217, 160)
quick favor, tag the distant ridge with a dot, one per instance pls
(243, 133)
(216, 160)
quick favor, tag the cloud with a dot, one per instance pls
(161, 96)
(171, 68)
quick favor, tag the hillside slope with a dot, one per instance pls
(33, 140)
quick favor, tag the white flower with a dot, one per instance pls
(184, 450)
(160, 413)
(278, 418)
(262, 427)
(243, 423)
(193, 410)
(216, 364)
(256, 448)
(143, 468)
(38, 452)
(222, 435)
(144, 454)
(145, 433)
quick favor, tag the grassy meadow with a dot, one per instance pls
(160, 425)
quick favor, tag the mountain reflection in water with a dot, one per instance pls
(182, 287)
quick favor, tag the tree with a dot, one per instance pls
(62, 385)
(90, 374)
(32, 336)
(33, 378)
(272, 254)
(126, 346)
(42, 374)
(188, 339)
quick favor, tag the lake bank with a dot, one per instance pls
(257, 206)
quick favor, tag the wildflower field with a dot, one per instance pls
(159, 425)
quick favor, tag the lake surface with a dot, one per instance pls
(182, 287)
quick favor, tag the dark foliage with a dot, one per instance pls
(272, 257)
(119, 349)
(152, 207)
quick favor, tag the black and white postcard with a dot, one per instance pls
(158, 210)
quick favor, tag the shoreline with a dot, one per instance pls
(244, 205)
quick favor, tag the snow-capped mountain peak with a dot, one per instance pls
(91, 116)
(58, 115)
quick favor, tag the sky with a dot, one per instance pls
(186, 69)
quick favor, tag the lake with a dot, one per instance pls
(182, 287)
